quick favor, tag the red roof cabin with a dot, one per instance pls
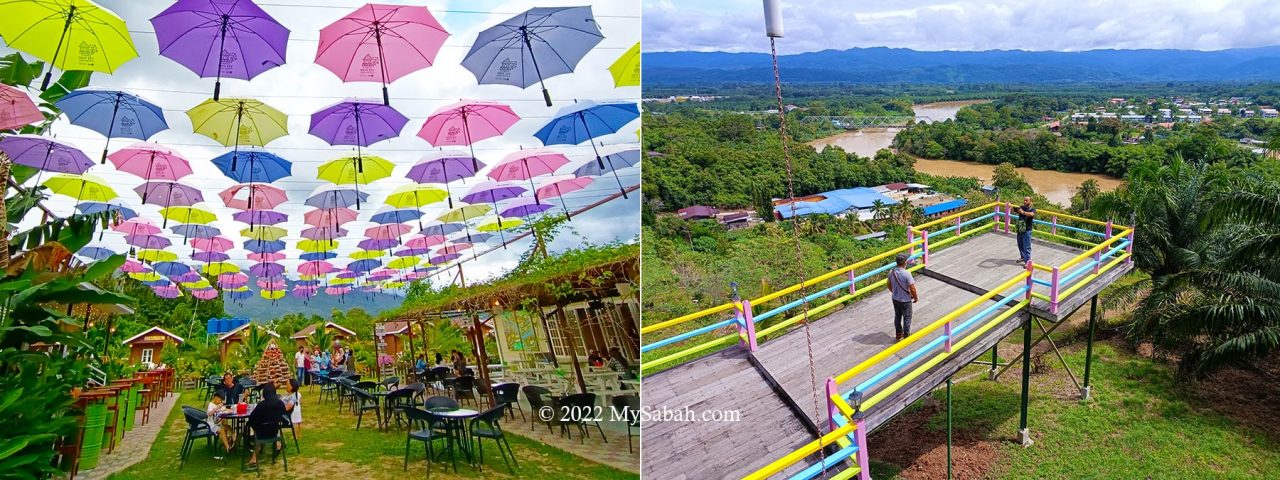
(145, 347)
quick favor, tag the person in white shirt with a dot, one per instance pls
(293, 404)
(300, 359)
(213, 418)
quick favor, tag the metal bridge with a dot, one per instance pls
(852, 122)
(806, 418)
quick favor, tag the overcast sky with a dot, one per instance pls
(301, 87)
(738, 25)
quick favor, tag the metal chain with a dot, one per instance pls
(795, 234)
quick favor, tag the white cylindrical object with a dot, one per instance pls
(773, 18)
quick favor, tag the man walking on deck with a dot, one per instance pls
(902, 289)
(1026, 220)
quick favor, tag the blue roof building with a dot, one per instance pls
(836, 202)
(944, 207)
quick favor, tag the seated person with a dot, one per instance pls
(213, 417)
(265, 420)
(231, 390)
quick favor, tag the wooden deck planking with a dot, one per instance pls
(696, 450)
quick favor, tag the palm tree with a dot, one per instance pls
(255, 342)
(1087, 192)
(1211, 251)
(321, 338)
(879, 210)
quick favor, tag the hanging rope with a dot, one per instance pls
(795, 235)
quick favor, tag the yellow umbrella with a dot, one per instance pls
(272, 294)
(416, 195)
(264, 232)
(310, 277)
(492, 224)
(69, 34)
(393, 285)
(81, 187)
(367, 254)
(238, 121)
(318, 245)
(341, 281)
(242, 288)
(202, 284)
(145, 277)
(462, 214)
(357, 170)
(188, 215)
(405, 262)
(156, 256)
(219, 268)
(626, 70)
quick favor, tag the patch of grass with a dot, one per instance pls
(332, 448)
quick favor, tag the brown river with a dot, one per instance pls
(1058, 187)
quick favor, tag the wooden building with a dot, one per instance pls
(145, 348)
(235, 337)
(395, 338)
(339, 332)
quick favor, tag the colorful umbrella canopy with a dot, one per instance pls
(401, 263)
(268, 270)
(260, 217)
(209, 257)
(491, 192)
(535, 45)
(367, 254)
(337, 290)
(524, 207)
(45, 154)
(560, 185)
(415, 196)
(264, 246)
(113, 113)
(310, 256)
(168, 194)
(239, 295)
(205, 293)
(213, 244)
(188, 214)
(220, 268)
(95, 253)
(232, 280)
(388, 214)
(271, 294)
(465, 123)
(264, 232)
(253, 165)
(150, 161)
(91, 208)
(616, 158)
(377, 243)
(444, 167)
(168, 292)
(384, 232)
(357, 122)
(133, 266)
(50, 29)
(317, 245)
(195, 231)
(150, 242)
(238, 121)
(251, 196)
(153, 256)
(266, 257)
(364, 265)
(626, 69)
(355, 170)
(221, 38)
(137, 226)
(335, 196)
(324, 233)
(454, 248)
(325, 217)
(16, 109)
(424, 241)
(527, 164)
(441, 229)
(81, 187)
(495, 224)
(406, 252)
(171, 269)
(380, 43)
(316, 267)
(443, 259)
(586, 120)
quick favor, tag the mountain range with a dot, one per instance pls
(257, 307)
(900, 65)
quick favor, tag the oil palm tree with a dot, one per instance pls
(255, 342)
(321, 338)
(879, 210)
(1087, 192)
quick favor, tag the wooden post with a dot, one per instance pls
(1008, 216)
(832, 410)
(573, 348)
(481, 357)
(853, 281)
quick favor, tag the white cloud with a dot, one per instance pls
(301, 87)
(738, 25)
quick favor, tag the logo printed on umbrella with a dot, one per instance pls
(229, 60)
(126, 126)
(246, 132)
(350, 134)
(506, 68)
(88, 51)
(369, 65)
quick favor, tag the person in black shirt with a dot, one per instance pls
(1026, 220)
(265, 419)
(230, 389)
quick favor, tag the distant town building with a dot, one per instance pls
(944, 208)
(859, 200)
(735, 220)
(696, 212)
(1270, 113)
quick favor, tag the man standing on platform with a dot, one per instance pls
(1026, 220)
(902, 289)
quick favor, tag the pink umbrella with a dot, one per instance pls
(137, 226)
(232, 280)
(467, 122)
(337, 290)
(150, 161)
(16, 109)
(205, 294)
(380, 43)
(315, 267)
(252, 196)
(170, 291)
(329, 217)
(558, 186)
(305, 292)
(324, 233)
(424, 241)
(414, 275)
(453, 248)
(381, 275)
(262, 257)
(133, 266)
(217, 243)
(387, 232)
(271, 283)
(526, 164)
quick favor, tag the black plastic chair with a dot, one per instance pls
(421, 429)
(568, 405)
(534, 394)
(362, 400)
(441, 402)
(419, 391)
(508, 393)
(389, 382)
(486, 426)
(197, 428)
(629, 405)
(287, 422)
(464, 388)
(367, 386)
(396, 402)
(257, 444)
(329, 386)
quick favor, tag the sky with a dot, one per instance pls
(301, 87)
(812, 25)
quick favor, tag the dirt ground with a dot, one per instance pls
(972, 456)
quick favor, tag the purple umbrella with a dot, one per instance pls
(196, 231)
(221, 38)
(307, 283)
(148, 241)
(349, 274)
(260, 217)
(169, 194)
(170, 269)
(170, 291)
(335, 196)
(210, 257)
(357, 122)
(409, 252)
(444, 167)
(441, 229)
(189, 276)
(438, 259)
(267, 269)
(492, 192)
(45, 154)
(373, 244)
(524, 207)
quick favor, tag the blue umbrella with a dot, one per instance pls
(387, 216)
(481, 237)
(442, 229)
(95, 253)
(306, 283)
(586, 120)
(253, 165)
(309, 256)
(170, 269)
(196, 231)
(238, 295)
(90, 208)
(509, 53)
(364, 265)
(612, 161)
(161, 282)
(113, 113)
(409, 252)
(264, 246)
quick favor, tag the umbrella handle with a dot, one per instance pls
(546, 96)
(217, 89)
(386, 98)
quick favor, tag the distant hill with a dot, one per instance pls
(261, 310)
(900, 65)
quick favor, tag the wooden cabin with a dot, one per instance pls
(145, 348)
(395, 338)
(339, 332)
(234, 337)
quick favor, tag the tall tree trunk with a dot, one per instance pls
(570, 342)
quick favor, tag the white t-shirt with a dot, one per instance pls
(300, 358)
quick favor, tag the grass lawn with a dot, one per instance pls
(1140, 423)
(332, 448)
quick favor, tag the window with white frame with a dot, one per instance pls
(147, 355)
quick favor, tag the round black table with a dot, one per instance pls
(457, 417)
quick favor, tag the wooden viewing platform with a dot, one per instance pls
(776, 389)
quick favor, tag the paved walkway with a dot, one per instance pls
(614, 453)
(136, 444)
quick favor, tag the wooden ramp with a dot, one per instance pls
(773, 417)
